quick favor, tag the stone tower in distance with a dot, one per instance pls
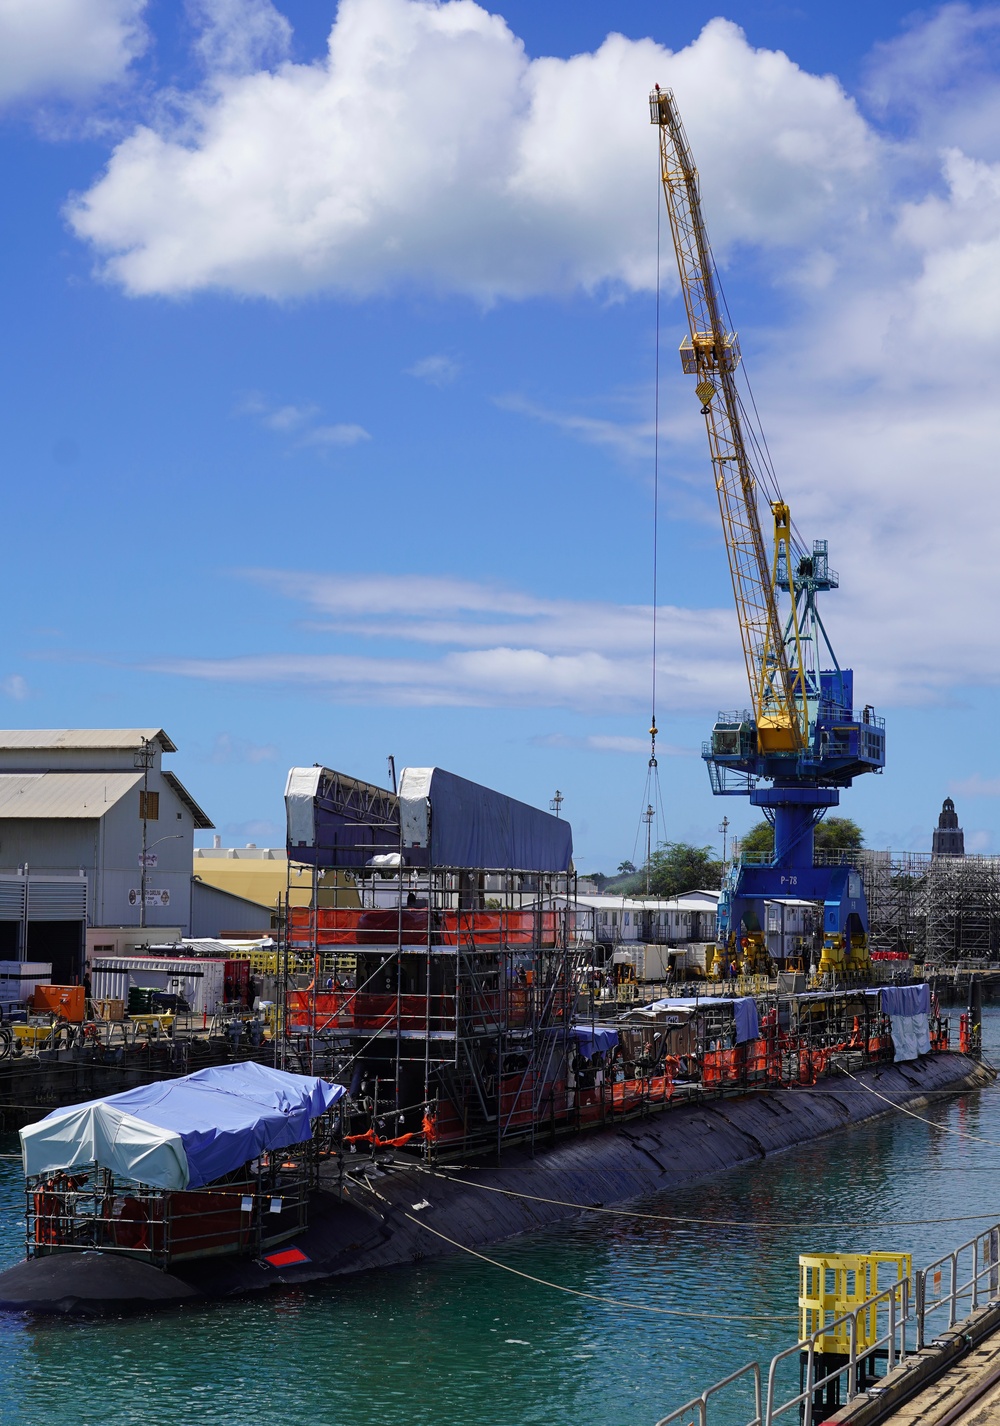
(949, 839)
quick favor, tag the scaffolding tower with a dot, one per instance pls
(446, 1000)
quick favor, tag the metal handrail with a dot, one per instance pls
(700, 1403)
(897, 1324)
(895, 1300)
(984, 1246)
(902, 1308)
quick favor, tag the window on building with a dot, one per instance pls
(149, 806)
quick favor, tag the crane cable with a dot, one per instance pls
(656, 474)
(651, 790)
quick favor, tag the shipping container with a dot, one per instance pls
(18, 980)
(201, 983)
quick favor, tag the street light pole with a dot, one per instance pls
(170, 837)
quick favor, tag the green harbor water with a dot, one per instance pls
(457, 1342)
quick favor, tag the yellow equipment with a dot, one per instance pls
(833, 1284)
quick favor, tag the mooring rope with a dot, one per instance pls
(715, 1222)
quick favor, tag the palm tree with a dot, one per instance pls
(626, 868)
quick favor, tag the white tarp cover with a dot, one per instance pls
(182, 1133)
(908, 1008)
(97, 1133)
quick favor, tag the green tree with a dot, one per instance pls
(677, 866)
(759, 840)
(626, 868)
(833, 834)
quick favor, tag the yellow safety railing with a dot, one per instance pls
(833, 1285)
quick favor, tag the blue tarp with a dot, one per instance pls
(908, 1008)
(218, 1119)
(906, 999)
(591, 1038)
(451, 822)
(747, 1021)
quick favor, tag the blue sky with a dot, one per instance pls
(329, 387)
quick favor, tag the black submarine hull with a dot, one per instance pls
(390, 1215)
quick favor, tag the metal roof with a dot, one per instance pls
(76, 738)
(63, 794)
(201, 819)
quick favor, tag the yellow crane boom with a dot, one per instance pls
(711, 353)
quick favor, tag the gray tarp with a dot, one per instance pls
(458, 823)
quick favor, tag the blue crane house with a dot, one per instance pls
(802, 740)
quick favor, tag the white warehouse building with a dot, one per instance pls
(74, 805)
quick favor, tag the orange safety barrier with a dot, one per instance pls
(626, 1094)
(303, 1005)
(488, 928)
(517, 1100)
(202, 1220)
(377, 1010)
(330, 926)
(964, 1036)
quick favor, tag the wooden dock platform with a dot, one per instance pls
(954, 1381)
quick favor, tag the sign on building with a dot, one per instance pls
(153, 898)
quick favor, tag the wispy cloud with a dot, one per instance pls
(340, 434)
(300, 421)
(482, 645)
(975, 786)
(632, 439)
(262, 832)
(285, 418)
(15, 686)
(436, 370)
(611, 743)
(229, 749)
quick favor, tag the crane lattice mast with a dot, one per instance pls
(711, 353)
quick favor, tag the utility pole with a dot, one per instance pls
(143, 758)
(647, 817)
(724, 828)
(557, 802)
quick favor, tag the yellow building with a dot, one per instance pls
(261, 874)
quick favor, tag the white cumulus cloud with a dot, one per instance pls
(428, 148)
(238, 35)
(66, 48)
